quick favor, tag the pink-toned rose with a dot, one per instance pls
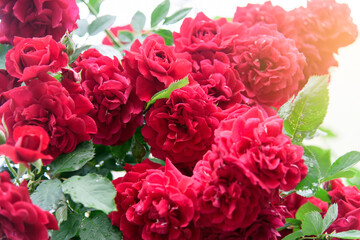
(266, 13)
(256, 144)
(322, 28)
(30, 141)
(181, 128)
(269, 65)
(44, 102)
(31, 56)
(117, 109)
(154, 66)
(27, 18)
(19, 218)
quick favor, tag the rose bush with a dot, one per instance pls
(196, 133)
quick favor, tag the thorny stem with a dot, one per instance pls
(108, 33)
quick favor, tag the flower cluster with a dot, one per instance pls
(227, 159)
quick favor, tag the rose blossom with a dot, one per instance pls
(348, 200)
(44, 102)
(161, 204)
(221, 82)
(266, 13)
(127, 189)
(30, 141)
(322, 28)
(19, 218)
(269, 65)
(31, 56)
(256, 144)
(181, 128)
(227, 200)
(205, 34)
(117, 109)
(154, 66)
(27, 18)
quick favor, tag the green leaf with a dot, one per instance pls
(82, 27)
(4, 48)
(125, 36)
(160, 13)
(343, 174)
(38, 165)
(303, 116)
(322, 156)
(95, 4)
(312, 223)
(61, 213)
(121, 150)
(69, 228)
(166, 92)
(304, 209)
(177, 16)
(98, 226)
(323, 195)
(294, 236)
(48, 195)
(167, 35)
(138, 21)
(91, 190)
(73, 161)
(310, 184)
(158, 161)
(100, 24)
(343, 163)
(351, 234)
(330, 216)
(77, 52)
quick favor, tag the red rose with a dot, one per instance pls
(214, 74)
(117, 110)
(31, 56)
(226, 198)
(128, 188)
(269, 65)
(181, 128)
(259, 148)
(19, 218)
(26, 18)
(166, 207)
(44, 102)
(294, 201)
(155, 203)
(348, 200)
(154, 66)
(30, 141)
